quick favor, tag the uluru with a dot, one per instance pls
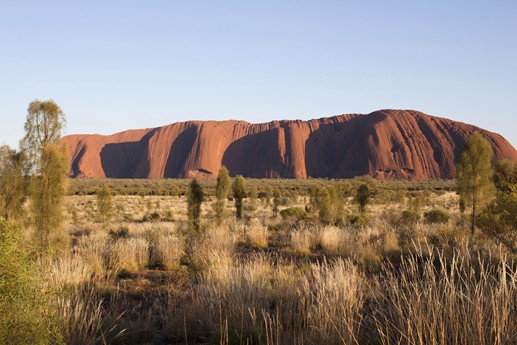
(385, 144)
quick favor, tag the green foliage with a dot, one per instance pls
(416, 202)
(461, 205)
(499, 218)
(43, 126)
(221, 194)
(104, 205)
(25, 318)
(49, 162)
(268, 193)
(239, 192)
(294, 212)
(329, 203)
(13, 184)
(501, 215)
(265, 187)
(362, 197)
(253, 195)
(195, 197)
(48, 192)
(409, 217)
(505, 175)
(436, 216)
(474, 175)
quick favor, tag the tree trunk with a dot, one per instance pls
(473, 225)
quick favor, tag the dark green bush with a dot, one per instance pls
(436, 216)
(295, 212)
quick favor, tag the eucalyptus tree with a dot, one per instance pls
(474, 176)
(49, 166)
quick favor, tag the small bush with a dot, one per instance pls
(25, 314)
(295, 212)
(436, 216)
(409, 217)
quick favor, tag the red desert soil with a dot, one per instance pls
(383, 144)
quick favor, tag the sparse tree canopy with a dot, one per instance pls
(45, 121)
(474, 175)
(43, 126)
(221, 193)
(239, 192)
(195, 197)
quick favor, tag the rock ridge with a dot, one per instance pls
(385, 144)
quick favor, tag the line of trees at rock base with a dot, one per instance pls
(38, 173)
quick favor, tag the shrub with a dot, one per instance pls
(239, 192)
(221, 193)
(362, 197)
(409, 217)
(104, 205)
(329, 203)
(295, 212)
(23, 318)
(436, 216)
(195, 198)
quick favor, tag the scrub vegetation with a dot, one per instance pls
(246, 261)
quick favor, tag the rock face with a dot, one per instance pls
(383, 144)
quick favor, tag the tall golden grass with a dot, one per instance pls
(315, 287)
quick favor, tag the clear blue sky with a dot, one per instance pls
(115, 65)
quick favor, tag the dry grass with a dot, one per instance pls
(81, 312)
(437, 301)
(128, 254)
(257, 236)
(291, 283)
(303, 241)
(167, 252)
